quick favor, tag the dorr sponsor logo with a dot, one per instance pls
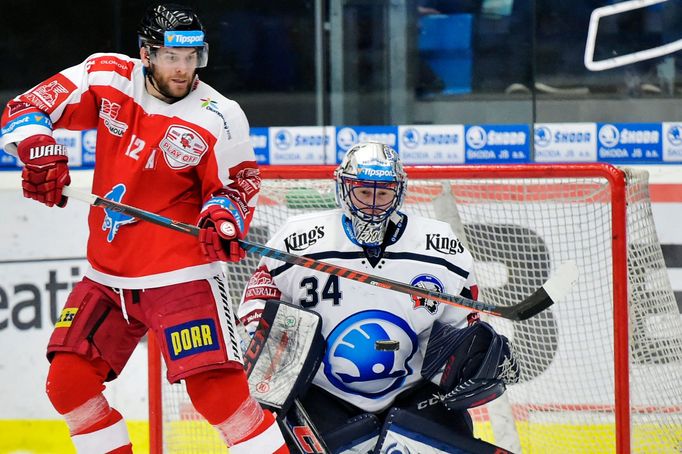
(302, 241)
(191, 338)
(443, 244)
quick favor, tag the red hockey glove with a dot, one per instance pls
(45, 169)
(219, 234)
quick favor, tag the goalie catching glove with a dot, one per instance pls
(475, 364)
(45, 169)
(222, 227)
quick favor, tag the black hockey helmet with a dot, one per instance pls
(173, 25)
(161, 18)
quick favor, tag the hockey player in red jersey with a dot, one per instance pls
(168, 143)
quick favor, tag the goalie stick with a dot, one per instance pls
(554, 289)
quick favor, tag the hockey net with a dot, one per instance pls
(601, 371)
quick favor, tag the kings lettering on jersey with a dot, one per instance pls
(444, 244)
(301, 241)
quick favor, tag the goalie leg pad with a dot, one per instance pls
(358, 436)
(406, 432)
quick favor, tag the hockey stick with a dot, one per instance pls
(551, 291)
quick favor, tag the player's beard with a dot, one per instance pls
(168, 87)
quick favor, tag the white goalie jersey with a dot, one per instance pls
(425, 253)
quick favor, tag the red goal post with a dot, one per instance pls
(601, 371)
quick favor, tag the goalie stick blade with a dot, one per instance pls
(561, 282)
(555, 289)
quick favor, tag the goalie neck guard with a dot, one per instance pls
(370, 188)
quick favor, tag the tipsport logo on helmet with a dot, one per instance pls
(191, 38)
(378, 173)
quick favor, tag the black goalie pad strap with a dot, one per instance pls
(284, 354)
(406, 432)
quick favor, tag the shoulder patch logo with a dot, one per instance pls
(45, 96)
(182, 147)
(429, 282)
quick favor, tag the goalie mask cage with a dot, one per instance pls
(601, 370)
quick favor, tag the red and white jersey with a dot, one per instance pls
(165, 158)
(355, 315)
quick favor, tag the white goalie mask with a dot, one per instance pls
(370, 187)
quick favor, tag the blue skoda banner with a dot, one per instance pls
(88, 141)
(620, 143)
(259, 140)
(8, 162)
(616, 143)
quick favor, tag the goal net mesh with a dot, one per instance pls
(519, 230)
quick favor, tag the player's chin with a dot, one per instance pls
(179, 89)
